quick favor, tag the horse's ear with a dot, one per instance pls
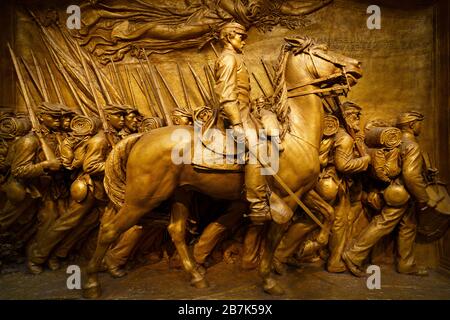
(298, 44)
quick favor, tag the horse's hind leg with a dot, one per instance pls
(109, 231)
(177, 231)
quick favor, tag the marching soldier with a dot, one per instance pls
(35, 177)
(398, 209)
(347, 163)
(118, 254)
(86, 152)
(87, 190)
(16, 202)
(115, 117)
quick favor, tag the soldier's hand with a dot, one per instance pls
(53, 165)
(367, 158)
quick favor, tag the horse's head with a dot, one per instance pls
(322, 64)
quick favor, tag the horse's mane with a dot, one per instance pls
(280, 97)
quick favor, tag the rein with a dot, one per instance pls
(342, 74)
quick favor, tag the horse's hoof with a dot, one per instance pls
(93, 292)
(201, 269)
(273, 288)
(200, 284)
(279, 267)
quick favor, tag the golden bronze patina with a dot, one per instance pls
(87, 158)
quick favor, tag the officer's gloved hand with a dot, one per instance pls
(239, 133)
(433, 202)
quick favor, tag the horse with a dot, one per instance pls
(152, 177)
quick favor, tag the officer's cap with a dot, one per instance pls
(234, 26)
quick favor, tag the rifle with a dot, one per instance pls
(201, 88)
(141, 84)
(63, 71)
(158, 92)
(97, 103)
(48, 152)
(55, 85)
(33, 78)
(183, 84)
(127, 74)
(146, 77)
(174, 99)
(41, 78)
(119, 83)
(100, 81)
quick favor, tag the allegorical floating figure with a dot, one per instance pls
(113, 29)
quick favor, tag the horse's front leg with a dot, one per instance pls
(273, 238)
(177, 231)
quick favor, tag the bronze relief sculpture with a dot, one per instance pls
(288, 172)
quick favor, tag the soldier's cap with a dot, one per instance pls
(115, 109)
(350, 107)
(50, 108)
(234, 26)
(180, 112)
(409, 116)
(65, 110)
(131, 109)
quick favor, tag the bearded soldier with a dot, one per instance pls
(398, 209)
(132, 119)
(233, 91)
(347, 163)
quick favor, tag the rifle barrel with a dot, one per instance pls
(174, 99)
(55, 85)
(183, 84)
(48, 152)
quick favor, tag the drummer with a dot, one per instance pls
(399, 209)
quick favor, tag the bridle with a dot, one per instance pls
(334, 90)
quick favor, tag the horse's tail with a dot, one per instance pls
(115, 169)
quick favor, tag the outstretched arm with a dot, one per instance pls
(298, 8)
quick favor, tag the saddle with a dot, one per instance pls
(215, 148)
